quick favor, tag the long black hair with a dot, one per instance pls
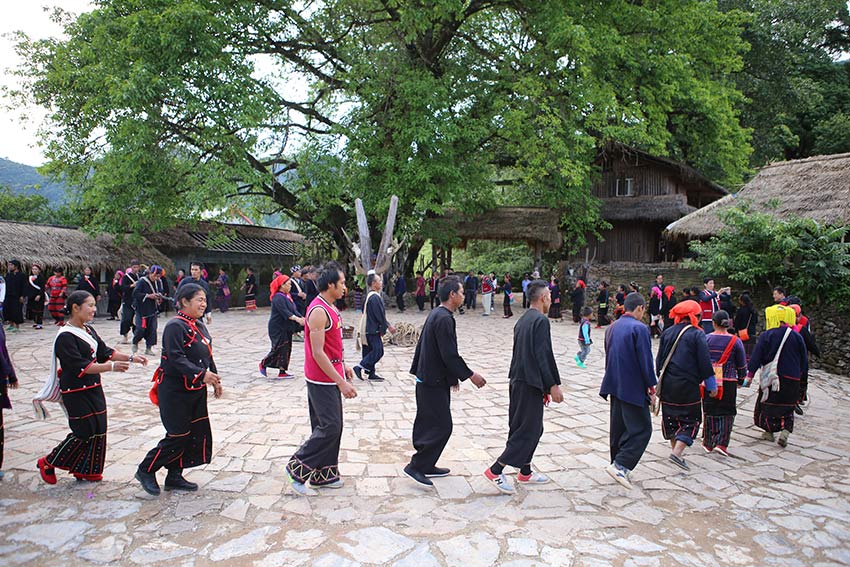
(76, 298)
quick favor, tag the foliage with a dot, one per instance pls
(493, 256)
(164, 109)
(791, 82)
(812, 261)
(33, 208)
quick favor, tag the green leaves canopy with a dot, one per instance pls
(162, 109)
(759, 250)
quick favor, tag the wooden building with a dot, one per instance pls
(641, 194)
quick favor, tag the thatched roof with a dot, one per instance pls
(817, 188)
(647, 208)
(222, 237)
(71, 248)
(530, 224)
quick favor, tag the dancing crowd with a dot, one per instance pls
(702, 359)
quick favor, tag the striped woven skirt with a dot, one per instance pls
(84, 449)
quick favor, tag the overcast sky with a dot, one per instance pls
(17, 138)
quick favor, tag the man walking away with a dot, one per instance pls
(534, 379)
(629, 385)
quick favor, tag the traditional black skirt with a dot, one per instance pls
(84, 450)
(681, 421)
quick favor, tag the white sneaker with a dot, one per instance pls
(300, 487)
(500, 481)
(620, 475)
(534, 478)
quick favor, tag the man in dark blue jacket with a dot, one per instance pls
(630, 382)
(373, 325)
(400, 290)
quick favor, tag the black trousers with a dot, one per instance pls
(399, 301)
(420, 302)
(631, 428)
(145, 329)
(372, 352)
(127, 316)
(188, 436)
(317, 460)
(525, 420)
(432, 427)
(435, 300)
(525, 302)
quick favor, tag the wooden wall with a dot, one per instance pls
(629, 241)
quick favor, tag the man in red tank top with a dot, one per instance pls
(328, 381)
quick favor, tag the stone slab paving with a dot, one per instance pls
(768, 506)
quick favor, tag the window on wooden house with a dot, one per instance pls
(625, 187)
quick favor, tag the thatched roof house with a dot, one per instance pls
(817, 188)
(72, 249)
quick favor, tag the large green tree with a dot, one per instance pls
(792, 84)
(162, 109)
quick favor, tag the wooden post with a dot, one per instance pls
(387, 238)
(365, 238)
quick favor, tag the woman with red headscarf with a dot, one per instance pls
(283, 322)
(683, 364)
(812, 348)
(668, 300)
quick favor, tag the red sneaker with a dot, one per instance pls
(48, 473)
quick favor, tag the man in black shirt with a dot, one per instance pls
(438, 369)
(128, 312)
(534, 379)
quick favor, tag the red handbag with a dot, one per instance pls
(154, 392)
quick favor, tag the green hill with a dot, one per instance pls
(24, 179)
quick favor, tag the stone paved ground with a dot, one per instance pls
(769, 506)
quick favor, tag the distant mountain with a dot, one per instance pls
(24, 179)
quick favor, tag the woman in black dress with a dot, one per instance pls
(283, 322)
(13, 306)
(82, 358)
(185, 370)
(35, 297)
(113, 290)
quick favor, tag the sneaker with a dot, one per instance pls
(300, 487)
(579, 363)
(358, 370)
(768, 436)
(285, 376)
(679, 462)
(783, 438)
(723, 451)
(338, 483)
(533, 478)
(798, 409)
(41, 327)
(373, 377)
(149, 352)
(417, 476)
(437, 472)
(500, 481)
(262, 369)
(619, 474)
(707, 449)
